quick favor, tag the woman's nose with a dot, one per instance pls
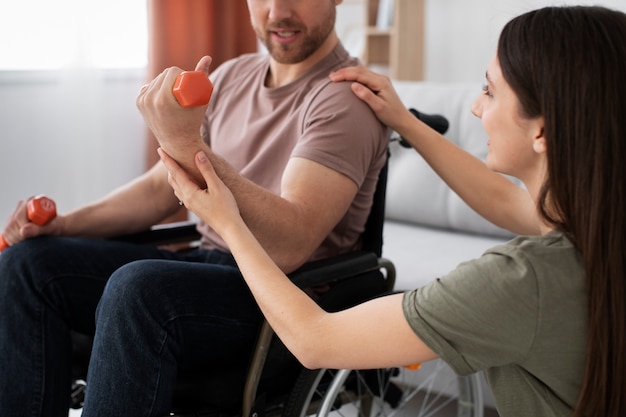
(477, 109)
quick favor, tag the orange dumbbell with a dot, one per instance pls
(192, 88)
(40, 210)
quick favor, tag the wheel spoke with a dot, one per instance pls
(433, 391)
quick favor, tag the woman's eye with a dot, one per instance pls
(486, 91)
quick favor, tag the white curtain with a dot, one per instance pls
(69, 74)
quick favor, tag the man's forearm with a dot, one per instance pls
(130, 208)
(185, 157)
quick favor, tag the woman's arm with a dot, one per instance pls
(489, 193)
(347, 339)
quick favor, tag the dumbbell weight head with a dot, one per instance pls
(192, 88)
(40, 210)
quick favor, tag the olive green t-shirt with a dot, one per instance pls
(518, 313)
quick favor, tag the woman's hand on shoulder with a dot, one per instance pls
(378, 92)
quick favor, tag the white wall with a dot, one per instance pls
(55, 140)
(73, 138)
(461, 35)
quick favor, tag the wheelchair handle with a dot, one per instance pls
(436, 122)
(192, 88)
(39, 210)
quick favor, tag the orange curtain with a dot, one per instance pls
(182, 31)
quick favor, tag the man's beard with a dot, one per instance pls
(293, 54)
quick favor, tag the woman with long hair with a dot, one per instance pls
(544, 314)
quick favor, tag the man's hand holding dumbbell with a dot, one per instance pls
(36, 212)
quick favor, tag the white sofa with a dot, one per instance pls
(429, 230)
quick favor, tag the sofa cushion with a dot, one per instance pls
(422, 254)
(415, 194)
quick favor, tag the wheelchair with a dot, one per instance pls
(277, 385)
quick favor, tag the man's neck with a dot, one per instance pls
(283, 74)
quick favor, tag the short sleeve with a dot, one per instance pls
(482, 314)
(341, 132)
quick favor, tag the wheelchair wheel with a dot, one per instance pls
(431, 391)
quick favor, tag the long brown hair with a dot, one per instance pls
(568, 64)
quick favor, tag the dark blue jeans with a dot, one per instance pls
(153, 313)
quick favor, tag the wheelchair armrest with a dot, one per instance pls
(164, 234)
(336, 268)
(311, 274)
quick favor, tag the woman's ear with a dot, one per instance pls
(539, 141)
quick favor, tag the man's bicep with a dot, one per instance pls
(320, 194)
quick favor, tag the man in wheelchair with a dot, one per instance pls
(302, 156)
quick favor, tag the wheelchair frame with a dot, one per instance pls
(332, 270)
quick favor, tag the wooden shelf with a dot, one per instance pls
(374, 31)
(400, 47)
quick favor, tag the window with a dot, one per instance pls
(60, 34)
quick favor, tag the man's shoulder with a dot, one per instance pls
(326, 95)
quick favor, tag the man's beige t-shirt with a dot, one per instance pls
(258, 129)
